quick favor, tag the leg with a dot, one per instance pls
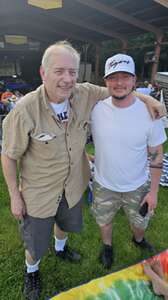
(155, 273)
(29, 258)
(132, 201)
(32, 264)
(106, 234)
(60, 238)
(60, 234)
(140, 241)
(104, 207)
(32, 283)
(67, 220)
(36, 234)
(157, 268)
(106, 255)
(138, 233)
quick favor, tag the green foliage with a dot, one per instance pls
(137, 47)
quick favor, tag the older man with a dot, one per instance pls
(124, 135)
(49, 130)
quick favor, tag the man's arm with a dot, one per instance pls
(96, 93)
(155, 108)
(9, 167)
(156, 163)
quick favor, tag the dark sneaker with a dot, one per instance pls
(144, 244)
(106, 256)
(32, 287)
(68, 254)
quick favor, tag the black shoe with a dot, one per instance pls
(144, 244)
(32, 287)
(68, 254)
(106, 256)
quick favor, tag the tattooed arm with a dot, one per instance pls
(156, 162)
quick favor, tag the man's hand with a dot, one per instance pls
(9, 166)
(18, 208)
(151, 199)
(156, 109)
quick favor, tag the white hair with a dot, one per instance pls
(56, 48)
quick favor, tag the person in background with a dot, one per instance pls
(6, 95)
(6, 100)
(145, 89)
(154, 271)
(156, 91)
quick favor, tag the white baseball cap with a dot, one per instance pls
(119, 63)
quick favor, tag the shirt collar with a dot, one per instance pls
(45, 98)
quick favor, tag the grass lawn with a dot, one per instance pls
(58, 276)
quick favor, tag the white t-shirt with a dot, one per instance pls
(61, 110)
(121, 137)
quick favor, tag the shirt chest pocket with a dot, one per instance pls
(48, 147)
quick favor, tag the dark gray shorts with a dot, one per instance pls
(36, 232)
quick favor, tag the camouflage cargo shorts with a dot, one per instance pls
(106, 204)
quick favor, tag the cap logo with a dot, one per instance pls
(113, 64)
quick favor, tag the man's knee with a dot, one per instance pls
(29, 258)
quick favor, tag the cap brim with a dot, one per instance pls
(105, 76)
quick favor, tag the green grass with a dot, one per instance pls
(165, 147)
(58, 276)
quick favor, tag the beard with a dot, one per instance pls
(120, 98)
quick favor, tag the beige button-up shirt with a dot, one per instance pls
(51, 156)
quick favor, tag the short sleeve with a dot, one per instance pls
(15, 137)
(157, 134)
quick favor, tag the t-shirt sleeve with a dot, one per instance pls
(15, 135)
(157, 134)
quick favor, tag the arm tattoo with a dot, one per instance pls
(153, 163)
(153, 155)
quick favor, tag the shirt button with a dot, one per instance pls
(70, 149)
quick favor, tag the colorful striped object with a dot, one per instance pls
(128, 284)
